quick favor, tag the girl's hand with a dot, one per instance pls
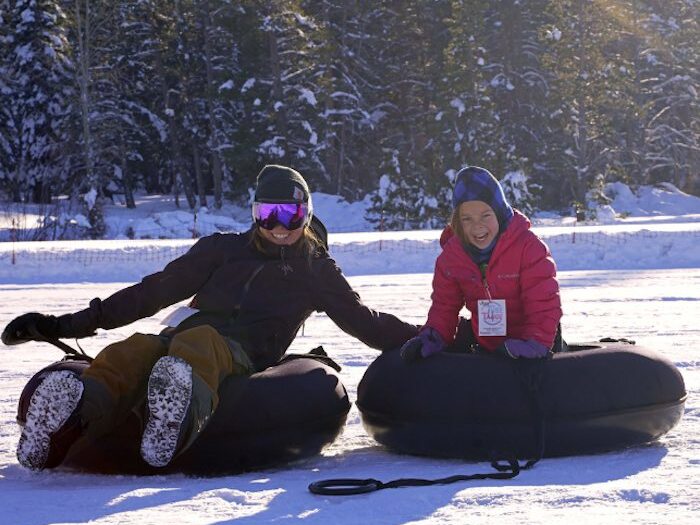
(425, 344)
(529, 349)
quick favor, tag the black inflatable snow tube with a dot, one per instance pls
(286, 412)
(594, 398)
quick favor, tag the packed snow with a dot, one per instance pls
(638, 277)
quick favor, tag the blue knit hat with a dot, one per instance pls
(477, 184)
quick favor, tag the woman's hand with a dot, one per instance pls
(30, 327)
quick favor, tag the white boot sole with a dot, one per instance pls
(50, 406)
(169, 396)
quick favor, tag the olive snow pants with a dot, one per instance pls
(117, 379)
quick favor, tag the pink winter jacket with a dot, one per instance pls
(521, 271)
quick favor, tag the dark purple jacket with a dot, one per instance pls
(259, 298)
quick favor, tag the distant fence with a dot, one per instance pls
(602, 239)
(89, 257)
(85, 254)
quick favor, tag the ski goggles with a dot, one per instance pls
(291, 215)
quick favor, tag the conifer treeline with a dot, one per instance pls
(383, 97)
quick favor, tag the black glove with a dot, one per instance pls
(411, 350)
(32, 327)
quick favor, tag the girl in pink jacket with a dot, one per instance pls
(492, 263)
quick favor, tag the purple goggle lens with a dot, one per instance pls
(290, 215)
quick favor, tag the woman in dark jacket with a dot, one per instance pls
(251, 293)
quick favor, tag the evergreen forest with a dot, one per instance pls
(385, 98)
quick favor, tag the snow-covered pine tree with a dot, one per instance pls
(520, 191)
(583, 88)
(88, 22)
(222, 64)
(345, 126)
(410, 45)
(464, 109)
(279, 88)
(124, 128)
(672, 80)
(212, 112)
(628, 106)
(36, 79)
(516, 84)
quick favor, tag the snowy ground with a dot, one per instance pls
(651, 484)
(645, 286)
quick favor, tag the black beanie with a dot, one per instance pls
(281, 184)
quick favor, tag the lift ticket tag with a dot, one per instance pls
(178, 315)
(492, 317)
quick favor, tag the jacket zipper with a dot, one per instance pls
(246, 286)
(286, 269)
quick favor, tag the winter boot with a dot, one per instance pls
(169, 398)
(52, 422)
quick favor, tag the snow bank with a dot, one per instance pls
(673, 245)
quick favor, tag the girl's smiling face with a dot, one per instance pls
(479, 223)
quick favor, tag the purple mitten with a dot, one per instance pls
(432, 342)
(425, 344)
(528, 349)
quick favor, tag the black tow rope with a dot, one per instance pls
(67, 349)
(350, 486)
(530, 376)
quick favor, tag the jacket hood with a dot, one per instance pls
(446, 235)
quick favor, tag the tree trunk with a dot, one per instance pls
(201, 190)
(277, 91)
(581, 135)
(340, 167)
(637, 133)
(83, 31)
(341, 159)
(213, 139)
(127, 182)
(178, 170)
(84, 36)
